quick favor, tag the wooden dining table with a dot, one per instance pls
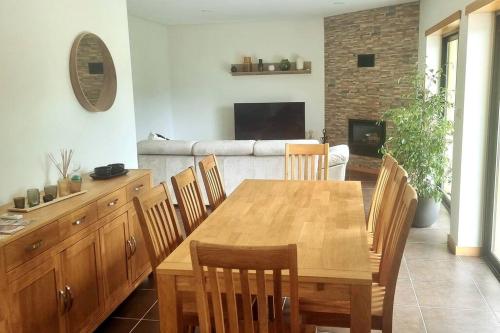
(325, 219)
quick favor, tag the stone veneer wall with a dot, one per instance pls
(391, 33)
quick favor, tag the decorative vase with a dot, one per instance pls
(63, 187)
(260, 66)
(75, 184)
(51, 189)
(284, 65)
(427, 212)
(300, 63)
(33, 195)
(247, 64)
(19, 202)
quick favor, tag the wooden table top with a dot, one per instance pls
(325, 219)
(96, 189)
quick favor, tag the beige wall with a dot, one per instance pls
(151, 73)
(39, 112)
(203, 90)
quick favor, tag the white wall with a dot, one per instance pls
(471, 114)
(39, 112)
(151, 76)
(203, 91)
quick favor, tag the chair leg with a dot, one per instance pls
(189, 329)
(387, 325)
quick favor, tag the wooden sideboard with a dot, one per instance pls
(79, 259)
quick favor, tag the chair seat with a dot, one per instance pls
(338, 313)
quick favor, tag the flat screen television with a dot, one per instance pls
(269, 121)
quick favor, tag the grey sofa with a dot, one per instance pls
(237, 159)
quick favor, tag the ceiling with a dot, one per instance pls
(172, 12)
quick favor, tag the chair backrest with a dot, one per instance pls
(188, 195)
(306, 161)
(213, 181)
(214, 268)
(394, 189)
(388, 166)
(158, 222)
(393, 251)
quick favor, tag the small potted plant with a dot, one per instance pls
(419, 140)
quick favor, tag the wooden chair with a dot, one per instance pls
(187, 192)
(213, 267)
(159, 226)
(306, 161)
(394, 188)
(388, 163)
(212, 181)
(338, 314)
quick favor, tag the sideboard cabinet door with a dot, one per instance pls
(140, 258)
(36, 305)
(115, 253)
(81, 271)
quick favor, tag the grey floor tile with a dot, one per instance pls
(428, 236)
(407, 319)
(459, 321)
(405, 295)
(490, 288)
(434, 270)
(427, 251)
(449, 294)
(403, 270)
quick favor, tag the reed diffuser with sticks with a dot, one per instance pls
(63, 184)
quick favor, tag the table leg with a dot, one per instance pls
(361, 308)
(170, 305)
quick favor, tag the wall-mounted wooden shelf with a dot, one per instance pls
(293, 69)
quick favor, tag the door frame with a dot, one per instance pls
(492, 162)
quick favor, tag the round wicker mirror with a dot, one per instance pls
(92, 73)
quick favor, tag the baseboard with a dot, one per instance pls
(463, 251)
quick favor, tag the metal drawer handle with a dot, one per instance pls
(35, 245)
(129, 244)
(134, 244)
(138, 188)
(79, 221)
(69, 294)
(64, 301)
(112, 203)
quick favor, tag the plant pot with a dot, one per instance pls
(427, 212)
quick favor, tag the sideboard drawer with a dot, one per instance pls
(111, 202)
(137, 187)
(31, 245)
(78, 220)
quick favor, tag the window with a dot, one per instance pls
(449, 82)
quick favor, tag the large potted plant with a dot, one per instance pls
(419, 139)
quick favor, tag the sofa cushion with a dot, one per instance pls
(224, 147)
(276, 147)
(338, 155)
(165, 147)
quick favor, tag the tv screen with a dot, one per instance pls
(269, 121)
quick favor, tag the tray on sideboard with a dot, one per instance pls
(56, 200)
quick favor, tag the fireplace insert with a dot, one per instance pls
(366, 137)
